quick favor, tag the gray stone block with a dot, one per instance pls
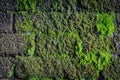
(5, 68)
(11, 44)
(6, 23)
(6, 5)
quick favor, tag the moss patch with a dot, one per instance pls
(71, 39)
(25, 5)
(105, 24)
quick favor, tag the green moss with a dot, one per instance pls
(79, 49)
(63, 55)
(25, 24)
(34, 78)
(105, 24)
(37, 78)
(92, 51)
(109, 79)
(62, 40)
(11, 72)
(74, 1)
(57, 42)
(96, 51)
(111, 72)
(31, 44)
(98, 58)
(89, 5)
(26, 5)
(29, 66)
(40, 67)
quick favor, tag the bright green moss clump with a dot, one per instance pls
(105, 24)
(98, 59)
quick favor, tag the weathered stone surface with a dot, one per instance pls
(4, 79)
(6, 5)
(116, 37)
(117, 43)
(5, 67)
(6, 23)
(11, 44)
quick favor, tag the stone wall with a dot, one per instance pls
(59, 39)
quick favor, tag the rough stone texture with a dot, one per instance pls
(117, 43)
(11, 44)
(6, 5)
(116, 37)
(5, 67)
(6, 23)
(55, 25)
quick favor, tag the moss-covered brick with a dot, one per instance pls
(43, 22)
(60, 40)
(30, 39)
(24, 24)
(69, 36)
(97, 57)
(47, 65)
(56, 43)
(60, 34)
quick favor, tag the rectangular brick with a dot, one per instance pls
(7, 5)
(5, 67)
(10, 44)
(6, 23)
(15, 44)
